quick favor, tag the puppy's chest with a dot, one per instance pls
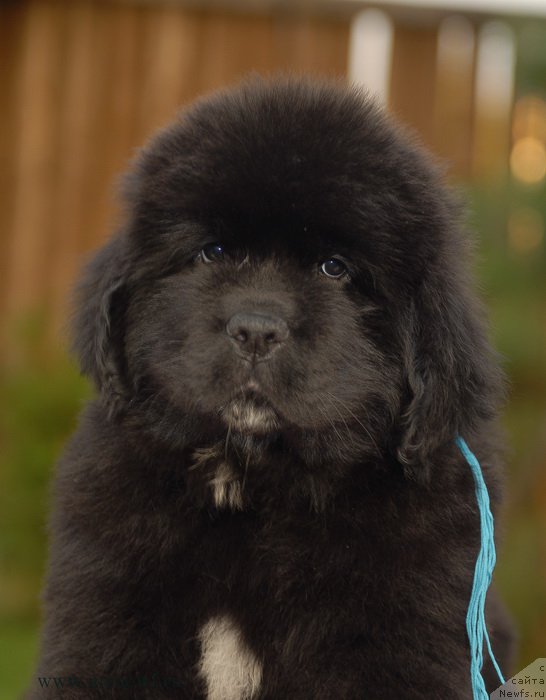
(262, 523)
(275, 562)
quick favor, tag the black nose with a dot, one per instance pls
(256, 335)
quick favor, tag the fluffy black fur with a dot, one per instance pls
(343, 549)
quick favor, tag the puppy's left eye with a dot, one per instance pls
(333, 268)
(212, 252)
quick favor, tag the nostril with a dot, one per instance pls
(241, 335)
(270, 338)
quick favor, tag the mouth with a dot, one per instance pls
(250, 412)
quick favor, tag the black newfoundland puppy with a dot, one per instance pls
(266, 501)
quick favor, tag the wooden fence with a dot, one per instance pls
(84, 82)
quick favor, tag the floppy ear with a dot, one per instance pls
(453, 379)
(97, 328)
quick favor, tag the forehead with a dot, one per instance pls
(280, 150)
(290, 169)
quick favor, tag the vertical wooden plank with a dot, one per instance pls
(121, 31)
(249, 45)
(77, 151)
(12, 18)
(454, 99)
(294, 44)
(169, 73)
(308, 45)
(413, 78)
(330, 47)
(214, 70)
(35, 153)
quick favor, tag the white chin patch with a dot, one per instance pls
(247, 417)
(228, 667)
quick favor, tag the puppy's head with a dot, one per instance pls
(290, 266)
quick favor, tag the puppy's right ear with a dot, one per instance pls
(98, 323)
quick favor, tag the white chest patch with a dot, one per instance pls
(229, 668)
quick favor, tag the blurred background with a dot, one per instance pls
(84, 82)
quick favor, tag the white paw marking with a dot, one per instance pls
(229, 668)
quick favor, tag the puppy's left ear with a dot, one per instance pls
(453, 380)
(98, 323)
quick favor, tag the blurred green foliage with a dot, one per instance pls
(513, 283)
(41, 394)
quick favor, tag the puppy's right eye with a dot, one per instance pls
(333, 268)
(212, 252)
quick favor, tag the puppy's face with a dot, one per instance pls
(290, 268)
(268, 330)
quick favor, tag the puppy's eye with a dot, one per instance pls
(333, 268)
(212, 252)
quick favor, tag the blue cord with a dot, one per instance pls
(485, 563)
